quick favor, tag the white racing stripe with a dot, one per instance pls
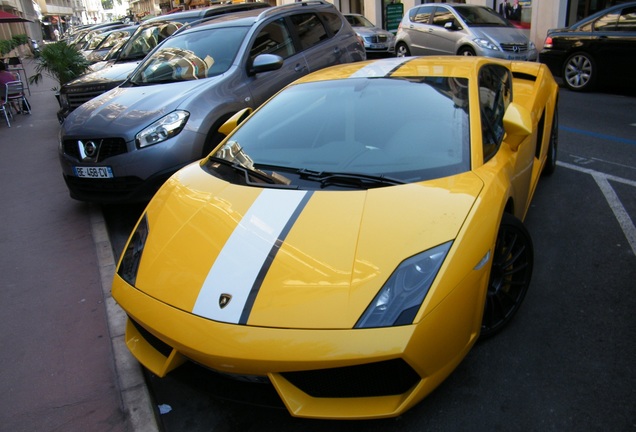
(239, 263)
(380, 69)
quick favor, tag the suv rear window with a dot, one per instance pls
(333, 22)
(310, 29)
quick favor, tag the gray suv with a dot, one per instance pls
(122, 145)
(114, 71)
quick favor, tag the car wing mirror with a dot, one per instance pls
(451, 25)
(517, 123)
(231, 123)
(265, 63)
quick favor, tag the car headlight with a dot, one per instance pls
(485, 43)
(64, 101)
(131, 257)
(400, 298)
(163, 129)
(531, 45)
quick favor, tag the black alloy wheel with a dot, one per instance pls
(509, 276)
(579, 72)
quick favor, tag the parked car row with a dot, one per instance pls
(124, 144)
(101, 45)
(119, 63)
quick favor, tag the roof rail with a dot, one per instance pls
(275, 9)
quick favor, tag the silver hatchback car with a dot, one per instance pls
(122, 145)
(461, 29)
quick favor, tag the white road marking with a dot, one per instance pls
(602, 180)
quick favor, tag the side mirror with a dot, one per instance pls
(265, 63)
(231, 123)
(517, 123)
(450, 25)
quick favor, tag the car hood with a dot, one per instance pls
(117, 72)
(370, 31)
(500, 35)
(290, 258)
(124, 110)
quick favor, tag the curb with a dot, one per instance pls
(136, 399)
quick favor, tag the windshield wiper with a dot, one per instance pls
(359, 180)
(270, 181)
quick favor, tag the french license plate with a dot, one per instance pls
(516, 57)
(97, 172)
(378, 46)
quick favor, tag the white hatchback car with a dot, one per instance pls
(461, 29)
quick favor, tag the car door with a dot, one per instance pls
(495, 95)
(443, 40)
(617, 41)
(418, 28)
(276, 38)
(318, 48)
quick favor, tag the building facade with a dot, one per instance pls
(537, 15)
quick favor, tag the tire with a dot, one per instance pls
(550, 163)
(466, 51)
(402, 50)
(510, 275)
(579, 72)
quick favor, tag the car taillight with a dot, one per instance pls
(548, 42)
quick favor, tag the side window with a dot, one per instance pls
(309, 29)
(607, 22)
(442, 16)
(274, 38)
(627, 20)
(422, 15)
(495, 94)
(332, 21)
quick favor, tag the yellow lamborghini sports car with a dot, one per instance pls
(351, 239)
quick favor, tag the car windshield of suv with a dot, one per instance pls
(146, 39)
(363, 132)
(195, 55)
(480, 17)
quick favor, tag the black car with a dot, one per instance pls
(598, 49)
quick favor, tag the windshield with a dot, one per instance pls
(359, 21)
(395, 129)
(95, 41)
(195, 55)
(145, 39)
(480, 17)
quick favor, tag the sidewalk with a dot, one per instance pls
(64, 363)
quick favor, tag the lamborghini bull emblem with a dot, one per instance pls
(224, 300)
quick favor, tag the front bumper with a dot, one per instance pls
(137, 174)
(386, 370)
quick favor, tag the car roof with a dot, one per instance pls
(602, 12)
(248, 18)
(197, 14)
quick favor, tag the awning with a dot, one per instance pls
(6, 17)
